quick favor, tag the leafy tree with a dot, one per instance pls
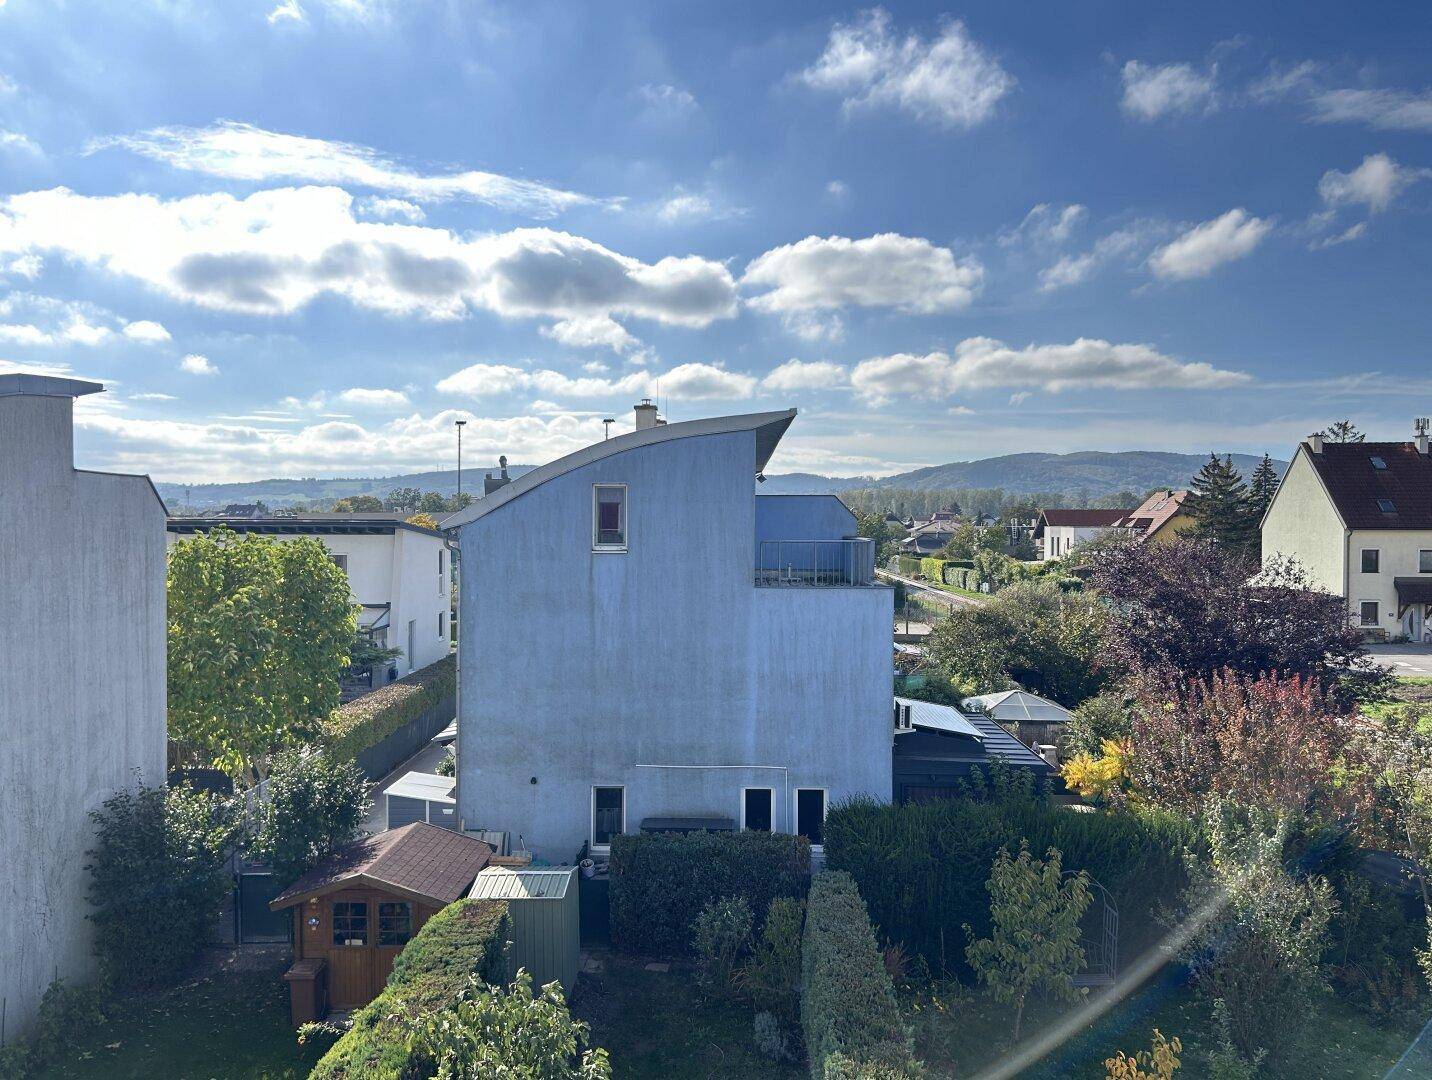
(260, 631)
(315, 805)
(1222, 509)
(1187, 607)
(157, 879)
(1263, 485)
(1099, 777)
(358, 504)
(1023, 548)
(489, 1031)
(426, 520)
(1343, 431)
(874, 527)
(459, 501)
(1159, 1062)
(432, 503)
(404, 500)
(1098, 719)
(1030, 633)
(1034, 942)
(967, 541)
(365, 653)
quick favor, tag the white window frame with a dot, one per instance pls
(592, 816)
(796, 811)
(1421, 552)
(624, 516)
(771, 791)
(1363, 622)
(1376, 558)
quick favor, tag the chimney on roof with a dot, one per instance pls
(491, 483)
(1420, 426)
(37, 425)
(502, 461)
(1315, 442)
(645, 414)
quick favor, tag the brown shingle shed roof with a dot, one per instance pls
(1083, 519)
(419, 861)
(1362, 490)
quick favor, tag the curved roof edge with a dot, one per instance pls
(767, 426)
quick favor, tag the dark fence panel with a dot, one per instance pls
(383, 757)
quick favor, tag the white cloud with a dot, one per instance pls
(24, 334)
(287, 11)
(665, 104)
(1203, 248)
(1374, 183)
(15, 142)
(238, 151)
(8, 86)
(276, 251)
(982, 364)
(814, 326)
(837, 190)
(77, 330)
(804, 375)
(1152, 91)
(195, 364)
(1352, 232)
(684, 207)
(1076, 269)
(690, 382)
(591, 332)
(383, 208)
(1386, 110)
(1046, 225)
(950, 80)
(374, 398)
(152, 397)
(146, 331)
(903, 272)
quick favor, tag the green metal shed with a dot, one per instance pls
(546, 919)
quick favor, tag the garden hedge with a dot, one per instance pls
(849, 1013)
(464, 939)
(932, 569)
(661, 881)
(908, 564)
(368, 720)
(922, 868)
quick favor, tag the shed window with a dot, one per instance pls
(395, 923)
(1369, 560)
(608, 814)
(810, 814)
(609, 524)
(1367, 613)
(350, 923)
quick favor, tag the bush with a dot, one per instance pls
(908, 565)
(922, 868)
(772, 1038)
(1105, 716)
(368, 720)
(315, 805)
(462, 940)
(721, 935)
(660, 881)
(932, 569)
(849, 1012)
(772, 976)
(64, 1011)
(157, 880)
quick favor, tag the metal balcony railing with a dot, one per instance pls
(816, 563)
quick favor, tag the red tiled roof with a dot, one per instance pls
(1155, 512)
(419, 860)
(1356, 486)
(1083, 519)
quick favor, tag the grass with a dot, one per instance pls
(230, 1026)
(1337, 1042)
(663, 1025)
(1409, 690)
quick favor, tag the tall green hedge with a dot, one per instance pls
(368, 720)
(849, 1012)
(463, 939)
(661, 881)
(922, 868)
(909, 565)
(932, 569)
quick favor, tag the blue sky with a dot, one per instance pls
(301, 237)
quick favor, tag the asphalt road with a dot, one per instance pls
(1403, 659)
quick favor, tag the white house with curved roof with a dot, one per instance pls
(646, 642)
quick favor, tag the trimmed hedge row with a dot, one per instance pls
(368, 720)
(908, 565)
(849, 1012)
(922, 868)
(464, 939)
(932, 569)
(661, 881)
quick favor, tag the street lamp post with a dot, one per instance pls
(458, 424)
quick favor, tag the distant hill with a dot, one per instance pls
(1095, 472)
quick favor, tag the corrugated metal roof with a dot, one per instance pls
(926, 714)
(506, 883)
(421, 785)
(1012, 706)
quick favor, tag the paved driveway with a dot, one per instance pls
(1403, 659)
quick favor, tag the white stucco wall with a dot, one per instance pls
(82, 699)
(1302, 522)
(1398, 556)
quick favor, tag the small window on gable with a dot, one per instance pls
(609, 519)
(1378, 463)
(1385, 505)
(1370, 560)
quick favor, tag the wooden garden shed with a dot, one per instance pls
(354, 912)
(546, 919)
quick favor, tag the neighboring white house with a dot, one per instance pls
(82, 697)
(399, 573)
(649, 644)
(1358, 517)
(1064, 530)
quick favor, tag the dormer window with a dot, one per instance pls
(1378, 463)
(1385, 505)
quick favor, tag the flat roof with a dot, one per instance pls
(17, 383)
(926, 714)
(308, 524)
(421, 785)
(768, 428)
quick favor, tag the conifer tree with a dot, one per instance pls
(1263, 484)
(1342, 431)
(1222, 508)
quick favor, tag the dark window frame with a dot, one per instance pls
(349, 923)
(816, 836)
(1376, 560)
(607, 536)
(1362, 606)
(770, 812)
(620, 809)
(395, 927)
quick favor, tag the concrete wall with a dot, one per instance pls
(82, 699)
(579, 667)
(1302, 522)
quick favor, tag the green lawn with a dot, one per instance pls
(663, 1026)
(1337, 1042)
(232, 1026)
